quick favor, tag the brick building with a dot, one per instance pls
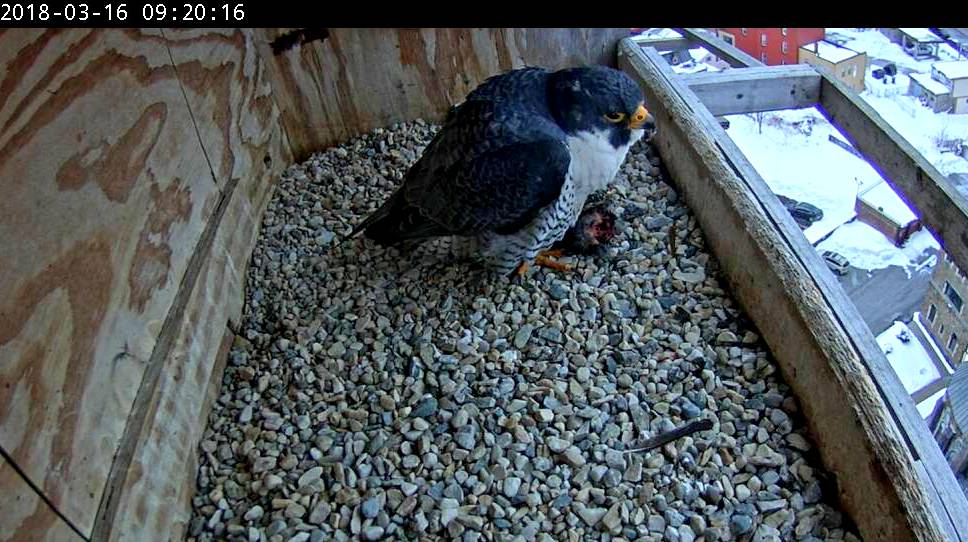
(881, 208)
(943, 309)
(846, 64)
(771, 46)
(949, 423)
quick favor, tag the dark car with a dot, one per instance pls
(804, 213)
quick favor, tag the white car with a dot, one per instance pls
(835, 262)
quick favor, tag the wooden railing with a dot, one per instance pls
(893, 478)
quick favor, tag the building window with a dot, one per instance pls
(952, 342)
(783, 31)
(783, 47)
(941, 331)
(953, 296)
(728, 38)
(763, 39)
(932, 313)
(763, 58)
(744, 30)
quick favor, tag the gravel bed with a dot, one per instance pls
(379, 394)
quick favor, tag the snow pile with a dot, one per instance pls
(909, 359)
(867, 248)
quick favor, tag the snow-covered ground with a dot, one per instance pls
(796, 159)
(866, 248)
(910, 360)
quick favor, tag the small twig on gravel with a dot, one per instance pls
(664, 438)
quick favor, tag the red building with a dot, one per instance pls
(771, 46)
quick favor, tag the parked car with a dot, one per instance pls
(835, 262)
(804, 213)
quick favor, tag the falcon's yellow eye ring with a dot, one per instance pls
(615, 117)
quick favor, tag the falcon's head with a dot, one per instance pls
(600, 99)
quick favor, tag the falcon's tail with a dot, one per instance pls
(397, 221)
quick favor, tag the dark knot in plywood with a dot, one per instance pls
(300, 36)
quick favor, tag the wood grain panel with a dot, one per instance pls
(24, 516)
(150, 499)
(229, 92)
(356, 80)
(106, 192)
(226, 88)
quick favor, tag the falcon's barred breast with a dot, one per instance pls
(511, 167)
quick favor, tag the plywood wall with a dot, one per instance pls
(135, 167)
(354, 80)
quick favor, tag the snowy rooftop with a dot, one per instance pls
(883, 198)
(909, 359)
(956, 69)
(656, 33)
(933, 86)
(921, 34)
(698, 54)
(830, 52)
(926, 407)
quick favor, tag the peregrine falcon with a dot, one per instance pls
(511, 167)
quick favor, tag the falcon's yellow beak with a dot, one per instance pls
(639, 118)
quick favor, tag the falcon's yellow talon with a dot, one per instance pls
(545, 261)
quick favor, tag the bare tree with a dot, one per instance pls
(758, 117)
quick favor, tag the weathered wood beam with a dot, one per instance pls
(753, 90)
(667, 44)
(715, 45)
(782, 284)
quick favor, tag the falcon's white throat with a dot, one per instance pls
(595, 161)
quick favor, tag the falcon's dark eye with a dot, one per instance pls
(615, 117)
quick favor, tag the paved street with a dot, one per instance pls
(885, 295)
